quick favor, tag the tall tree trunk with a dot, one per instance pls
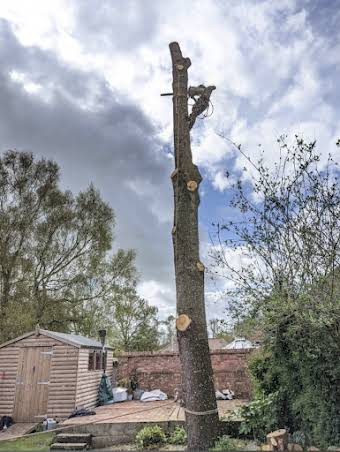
(197, 375)
(4, 304)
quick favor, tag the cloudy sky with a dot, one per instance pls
(80, 82)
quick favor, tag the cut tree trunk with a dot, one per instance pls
(278, 440)
(197, 374)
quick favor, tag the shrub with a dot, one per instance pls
(178, 436)
(300, 438)
(150, 437)
(225, 443)
(258, 417)
(300, 361)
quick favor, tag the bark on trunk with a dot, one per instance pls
(197, 375)
(4, 302)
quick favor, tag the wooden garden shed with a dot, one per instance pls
(46, 373)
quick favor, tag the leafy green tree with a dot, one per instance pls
(55, 249)
(168, 330)
(113, 275)
(249, 327)
(24, 189)
(221, 329)
(134, 323)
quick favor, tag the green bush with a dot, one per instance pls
(225, 443)
(150, 437)
(300, 438)
(258, 417)
(300, 361)
(178, 436)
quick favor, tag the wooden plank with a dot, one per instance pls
(64, 359)
(60, 386)
(9, 358)
(84, 394)
(62, 395)
(61, 404)
(18, 430)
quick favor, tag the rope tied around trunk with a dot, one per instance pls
(201, 413)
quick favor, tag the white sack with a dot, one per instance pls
(156, 394)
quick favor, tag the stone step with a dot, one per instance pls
(73, 438)
(69, 446)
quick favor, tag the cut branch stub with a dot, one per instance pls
(173, 231)
(174, 173)
(192, 185)
(200, 266)
(183, 322)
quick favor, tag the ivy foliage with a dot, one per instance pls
(300, 361)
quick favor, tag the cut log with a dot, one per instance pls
(278, 440)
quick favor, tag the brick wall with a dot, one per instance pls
(162, 370)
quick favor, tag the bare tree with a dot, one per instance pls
(199, 393)
(287, 229)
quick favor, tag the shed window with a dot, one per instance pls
(92, 360)
(104, 358)
(97, 360)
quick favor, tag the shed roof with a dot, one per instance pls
(69, 338)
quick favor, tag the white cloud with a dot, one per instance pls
(160, 295)
(271, 66)
(251, 51)
(29, 86)
(210, 149)
(145, 190)
(221, 182)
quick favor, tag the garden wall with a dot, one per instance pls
(162, 370)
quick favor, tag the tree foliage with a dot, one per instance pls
(56, 263)
(168, 331)
(288, 235)
(134, 323)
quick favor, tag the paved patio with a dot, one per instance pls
(136, 411)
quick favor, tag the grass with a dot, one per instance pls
(36, 442)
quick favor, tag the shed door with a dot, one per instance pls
(32, 384)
